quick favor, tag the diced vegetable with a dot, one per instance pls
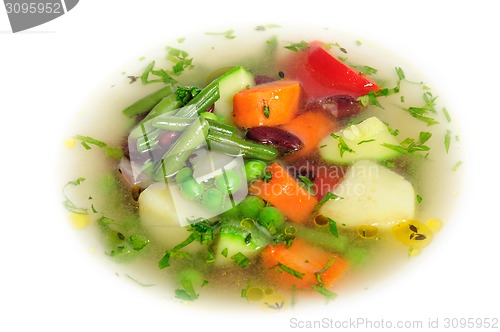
(310, 127)
(371, 195)
(235, 238)
(158, 216)
(361, 141)
(281, 190)
(302, 265)
(322, 75)
(270, 104)
(233, 81)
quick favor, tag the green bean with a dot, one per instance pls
(235, 145)
(176, 156)
(148, 141)
(168, 104)
(168, 166)
(202, 101)
(172, 123)
(146, 103)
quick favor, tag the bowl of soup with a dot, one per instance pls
(264, 166)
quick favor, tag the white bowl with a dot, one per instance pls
(50, 280)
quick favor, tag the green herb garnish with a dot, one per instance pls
(342, 144)
(229, 34)
(240, 259)
(447, 140)
(333, 227)
(300, 46)
(323, 291)
(289, 270)
(328, 196)
(266, 110)
(109, 151)
(68, 204)
(457, 165)
(307, 184)
(410, 145)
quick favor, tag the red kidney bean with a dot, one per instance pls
(341, 106)
(284, 141)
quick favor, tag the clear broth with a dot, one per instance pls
(101, 118)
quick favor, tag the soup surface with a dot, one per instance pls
(266, 166)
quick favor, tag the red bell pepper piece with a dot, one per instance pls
(322, 75)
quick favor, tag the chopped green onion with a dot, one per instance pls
(289, 270)
(240, 259)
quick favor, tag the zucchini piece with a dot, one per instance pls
(362, 141)
(230, 83)
(234, 238)
(371, 195)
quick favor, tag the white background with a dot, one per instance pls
(47, 283)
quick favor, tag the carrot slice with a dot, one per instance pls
(311, 127)
(270, 104)
(284, 193)
(302, 265)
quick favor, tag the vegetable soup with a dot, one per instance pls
(264, 167)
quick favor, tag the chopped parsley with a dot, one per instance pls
(447, 140)
(266, 110)
(342, 144)
(410, 145)
(419, 199)
(307, 184)
(160, 75)
(68, 204)
(229, 34)
(267, 176)
(332, 225)
(289, 270)
(325, 292)
(180, 62)
(240, 259)
(328, 196)
(300, 46)
(457, 165)
(109, 151)
(446, 114)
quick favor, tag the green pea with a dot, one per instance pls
(213, 200)
(228, 182)
(183, 174)
(191, 188)
(250, 206)
(271, 218)
(254, 169)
